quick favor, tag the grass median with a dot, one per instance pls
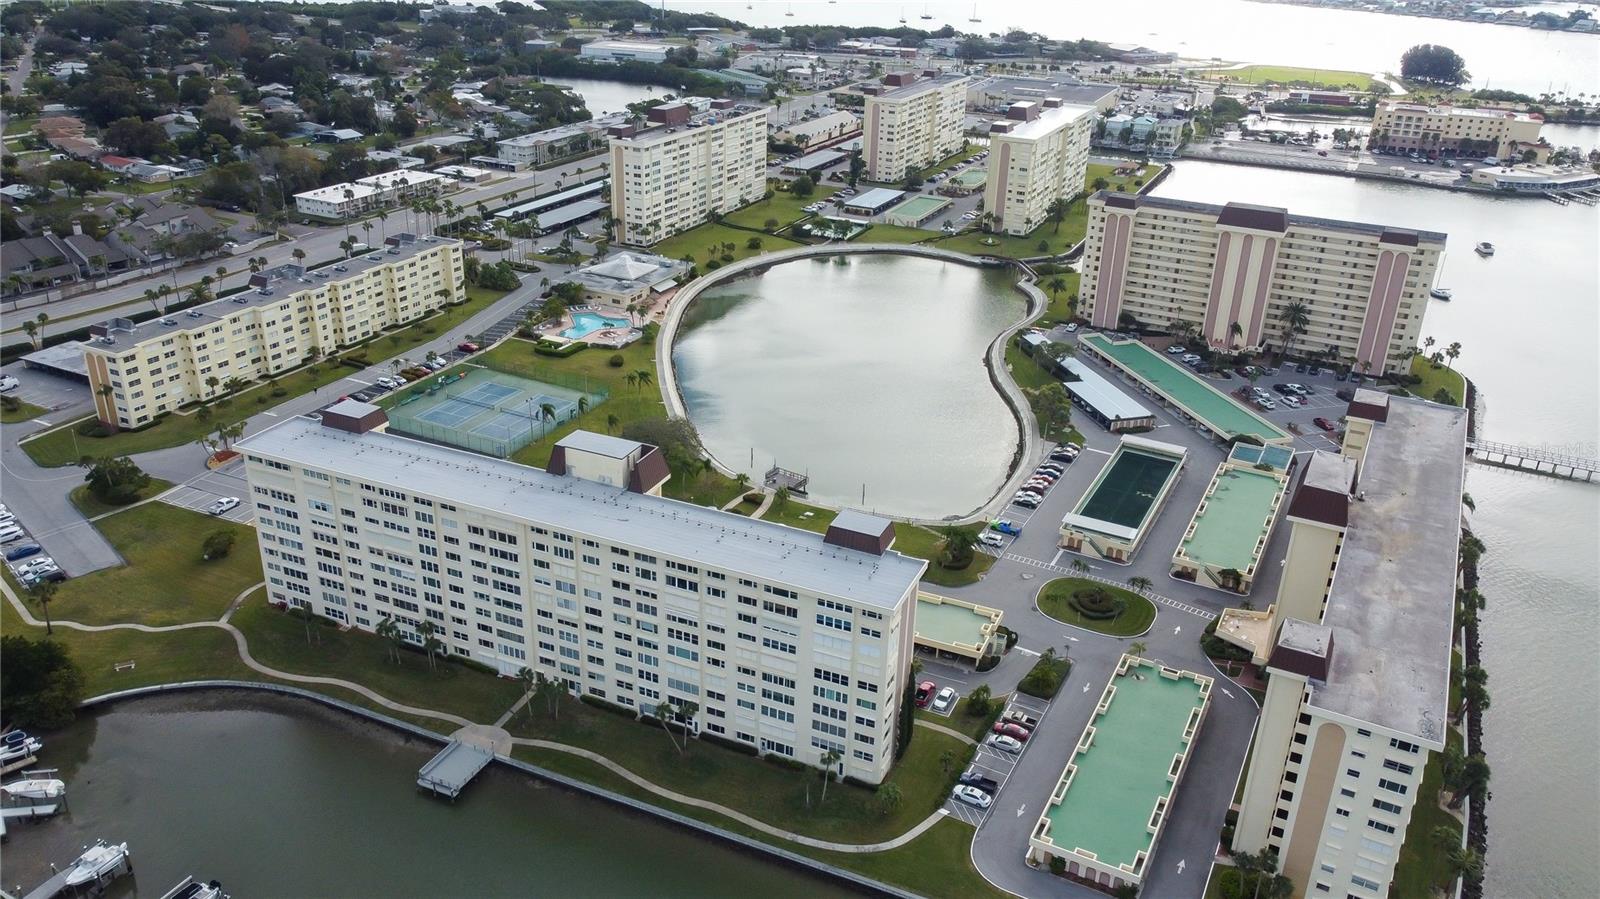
(709, 242)
(1130, 615)
(1436, 378)
(15, 411)
(65, 446)
(782, 207)
(90, 505)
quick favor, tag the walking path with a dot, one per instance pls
(491, 735)
(947, 731)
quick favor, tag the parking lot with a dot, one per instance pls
(198, 494)
(23, 553)
(995, 764)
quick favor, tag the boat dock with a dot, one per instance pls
(449, 772)
(26, 813)
(19, 764)
(1534, 460)
(782, 477)
(57, 885)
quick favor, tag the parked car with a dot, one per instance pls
(227, 503)
(1300, 368)
(467, 346)
(1014, 731)
(992, 539)
(23, 551)
(1293, 402)
(48, 574)
(36, 564)
(971, 778)
(8, 383)
(1017, 716)
(10, 534)
(1004, 743)
(972, 796)
(387, 382)
(1282, 388)
(7, 518)
(1072, 327)
(1026, 501)
(1005, 526)
(945, 699)
(1175, 349)
(1269, 405)
(924, 693)
(1345, 393)
(1323, 423)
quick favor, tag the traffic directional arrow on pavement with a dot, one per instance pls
(1226, 692)
(1181, 863)
(1027, 652)
(1021, 809)
(1085, 688)
(1177, 629)
(1072, 638)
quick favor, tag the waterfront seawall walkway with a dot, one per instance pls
(482, 730)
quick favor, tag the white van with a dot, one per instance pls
(8, 383)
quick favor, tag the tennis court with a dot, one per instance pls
(487, 411)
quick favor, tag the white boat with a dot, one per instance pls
(13, 752)
(96, 862)
(194, 889)
(35, 788)
(1484, 249)
(1439, 293)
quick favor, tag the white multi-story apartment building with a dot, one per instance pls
(341, 201)
(912, 122)
(686, 167)
(1038, 154)
(1397, 125)
(1357, 649)
(1235, 271)
(288, 316)
(791, 642)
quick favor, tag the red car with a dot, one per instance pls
(1014, 731)
(467, 346)
(924, 693)
(1323, 423)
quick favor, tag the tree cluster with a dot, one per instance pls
(115, 481)
(1433, 64)
(40, 685)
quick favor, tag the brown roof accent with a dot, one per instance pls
(1120, 201)
(353, 416)
(649, 472)
(1398, 236)
(861, 532)
(669, 113)
(558, 460)
(899, 79)
(1370, 405)
(1303, 648)
(1258, 218)
(1323, 491)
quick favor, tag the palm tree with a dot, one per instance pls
(388, 629)
(1453, 352)
(743, 480)
(299, 256)
(663, 716)
(956, 542)
(32, 330)
(1058, 209)
(431, 644)
(1236, 331)
(1056, 285)
(1140, 583)
(547, 412)
(611, 422)
(829, 759)
(1080, 566)
(41, 594)
(1295, 318)
(643, 378)
(383, 219)
(1138, 648)
(211, 383)
(780, 499)
(530, 683)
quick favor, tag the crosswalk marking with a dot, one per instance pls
(1155, 597)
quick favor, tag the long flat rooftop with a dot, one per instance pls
(1182, 388)
(1392, 602)
(1234, 519)
(1128, 768)
(1050, 119)
(1134, 201)
(716, 539)
(953, 622)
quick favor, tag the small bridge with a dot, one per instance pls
(1535, 460)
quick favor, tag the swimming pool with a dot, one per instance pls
(586, 323)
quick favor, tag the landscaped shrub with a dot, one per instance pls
(559, 350)
(616, 360)
(605, 706)
(1058, 865)
(1046, 677)
(473, 665)
(713, 265)
(1218, 648)
(725, 743)
(1095, 603)
(93, 428)
(726, 258)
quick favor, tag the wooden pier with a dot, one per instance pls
(449, 772)
(1534, 460)
(782, 477)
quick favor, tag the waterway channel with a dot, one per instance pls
(1528, 324)
(276, 796)
(866, 372)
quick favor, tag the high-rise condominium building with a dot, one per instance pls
(1235, 273)
(289, 315)
(790, 642)
(1038, 154)
(912, 122)
(1356, 648)
(1475, 132)
(686, 167)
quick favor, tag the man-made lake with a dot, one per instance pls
(865, 372)
(602, 96)
(1505, 57)
(276, 796)
(1527, 320)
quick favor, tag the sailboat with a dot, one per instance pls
(925, 13)
(974, 14)
(902, 15)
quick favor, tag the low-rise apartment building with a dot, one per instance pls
(626, 51)
(552, 144)
(819, 130)
(790, 642)
(287, 317)
(1235, 273)
(912, 121)
(684, 167)
(1038, 154)
(1398, 125)
(1356, 648)
(352, 198)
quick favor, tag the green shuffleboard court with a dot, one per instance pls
(1237, 514)
(1185, 390)
(1127, 489)
(1120, 777)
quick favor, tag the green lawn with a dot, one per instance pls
(768, 791)
(625, 405)
(705, 242)
(797, 514)
(1136, 617)
(90, 506)
(1057, 240)
(279, 640)
(63, 446)
(164, 581)
(916, 540)
(139, 188)
(16, 125)
(961, 155)
(1423, 870)
(1335, 79)
(1132, 183)
(881, 233)
(22, 412)
(1027, 373)
(1063, 302)
(961, 718)
(1435, 377)
(782, 205)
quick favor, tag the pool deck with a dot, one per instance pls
(1108, 808)
(955, 626)
(1184, 390)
